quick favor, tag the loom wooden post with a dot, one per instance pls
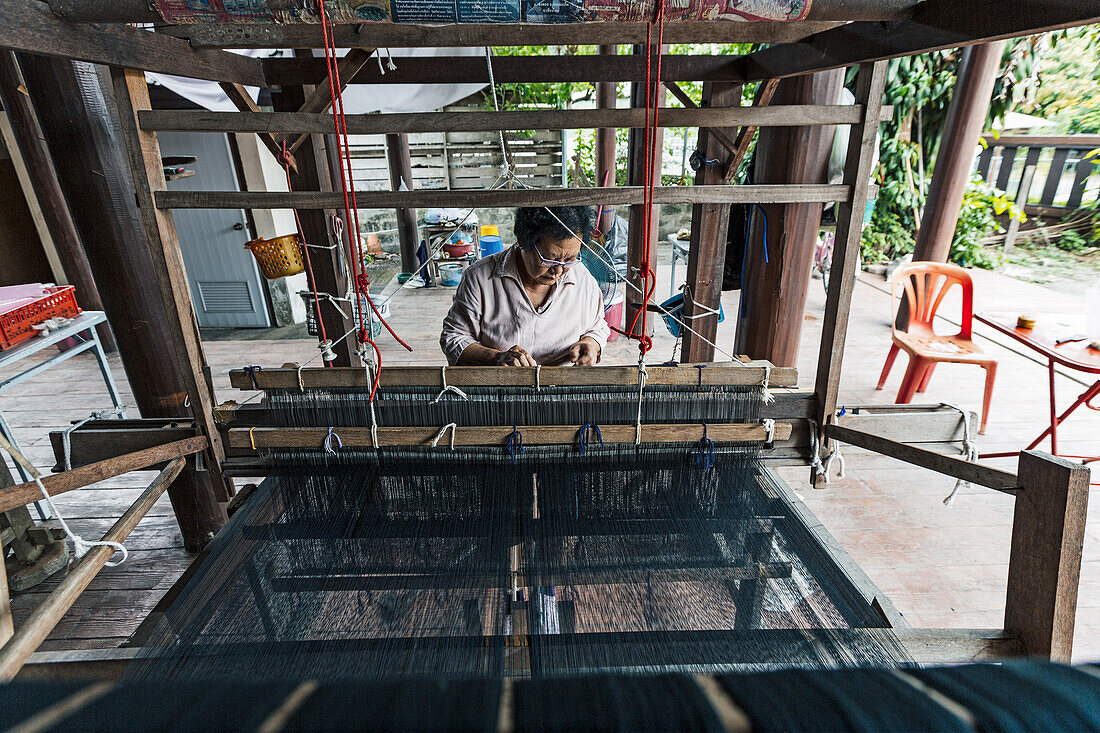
(1044, 568)
(400, 162)
(849, 228)
(83, 135)
(640, 241)
(777, 280)
(314, 174)
(6, 625)
(43, 176)
(606, 98)
(709, 226)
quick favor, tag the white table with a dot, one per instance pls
(83, 330)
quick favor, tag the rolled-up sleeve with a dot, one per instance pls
(597, 328)
(462, 326)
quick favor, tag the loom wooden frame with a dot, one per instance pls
(1050, 500)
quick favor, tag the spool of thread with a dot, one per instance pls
(1025, 322)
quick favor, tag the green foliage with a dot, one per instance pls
(1073, 242)
(1070, 92)
(981, 203)
(886, 239)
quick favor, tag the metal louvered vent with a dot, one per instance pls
(226, 297)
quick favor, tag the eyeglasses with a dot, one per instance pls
(554, 263)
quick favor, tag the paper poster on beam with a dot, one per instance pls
(476, 11)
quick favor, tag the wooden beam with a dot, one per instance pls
(512, 69)
(689, 103)
(953, 466)
(930, 647)
(466, 435)
(46, 615)
(709, 228)
(320, 99)
(740, 148)
(286, 123)
(28, 26)
(7, 627)
(399, 162)
(243, 101)
(499, 198)
(1083, 142)
(934, 25)
(607, 97)
(132, 96)
(78, 478)
(1044, 568)
(404, 35)
(849, 229)
(725, 374)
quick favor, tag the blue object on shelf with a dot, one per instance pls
(674, 309)
(491, 244)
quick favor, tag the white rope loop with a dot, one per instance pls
(834, 456)
(538, 377)
(769, 430)
(443, 431)
(448, 388)
(969, 452)
(765, 391)
(815, 454)
(331, 438)
(66, 435)
(643, 376)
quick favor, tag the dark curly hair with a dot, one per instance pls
(535, 222)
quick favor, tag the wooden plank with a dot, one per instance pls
(46, 616)
(320, 99)
(1045, 141)
(740, 149)
(28, 26)
(243, 101)
(405, 35)
(512, 70)
(930, 647)
(100, 440)
(1044, 567)
(23, 494)
(975, 473)
(6, 625)
(860, 159)
(502, 198)
(934, 25)
(1084, 169)
(689, 103)
(132, 96)
(715, 374)
(286, 123)
(709, 228)
(1054, 177)
(314, 438)
(909, 423)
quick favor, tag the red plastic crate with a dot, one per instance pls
(18, 325)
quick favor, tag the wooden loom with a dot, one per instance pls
(1050, 494)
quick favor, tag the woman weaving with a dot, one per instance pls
(530, 304)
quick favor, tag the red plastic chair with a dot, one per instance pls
(925, 284)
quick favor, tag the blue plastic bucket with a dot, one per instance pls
(491, 244)
(450, 273)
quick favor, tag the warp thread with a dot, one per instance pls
(583, 436)
(969, 452)
(643, 375)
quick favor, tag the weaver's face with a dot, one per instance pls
(548, 260)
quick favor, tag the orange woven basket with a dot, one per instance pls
(279, 256)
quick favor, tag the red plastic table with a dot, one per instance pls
(1076, 355)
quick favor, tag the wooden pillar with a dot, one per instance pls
(314, 174)
(849, 228)
(1044, 568)
(6, 626)
(55, 210)
(607, 95)
(76, 108)
(639, 240)
(774, 292)
(400, 161)
(709, 227)
(954, 161)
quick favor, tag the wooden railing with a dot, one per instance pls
(1056, 167)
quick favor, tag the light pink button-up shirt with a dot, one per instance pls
(491, 308)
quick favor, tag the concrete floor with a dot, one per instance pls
(941, 566)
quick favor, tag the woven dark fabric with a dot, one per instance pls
(20, 700)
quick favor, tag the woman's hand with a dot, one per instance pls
(515, 356)
(585, 352)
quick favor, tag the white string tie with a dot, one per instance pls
(504, 167)
(443, 431)
(448, 388)
(389, 61)
(834, 455)
(765, 392)
(815, 454)
(698, 309)
(769, 429)
(81, 547)
(643, 375)
(301, 382)
(330, 439)
(969, 452)
(66, 436)
(373, 380)
(538, 377)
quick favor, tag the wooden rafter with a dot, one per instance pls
(740, 148)
(243, 101)
(28, 26)
(689, 103)
(320, 99)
